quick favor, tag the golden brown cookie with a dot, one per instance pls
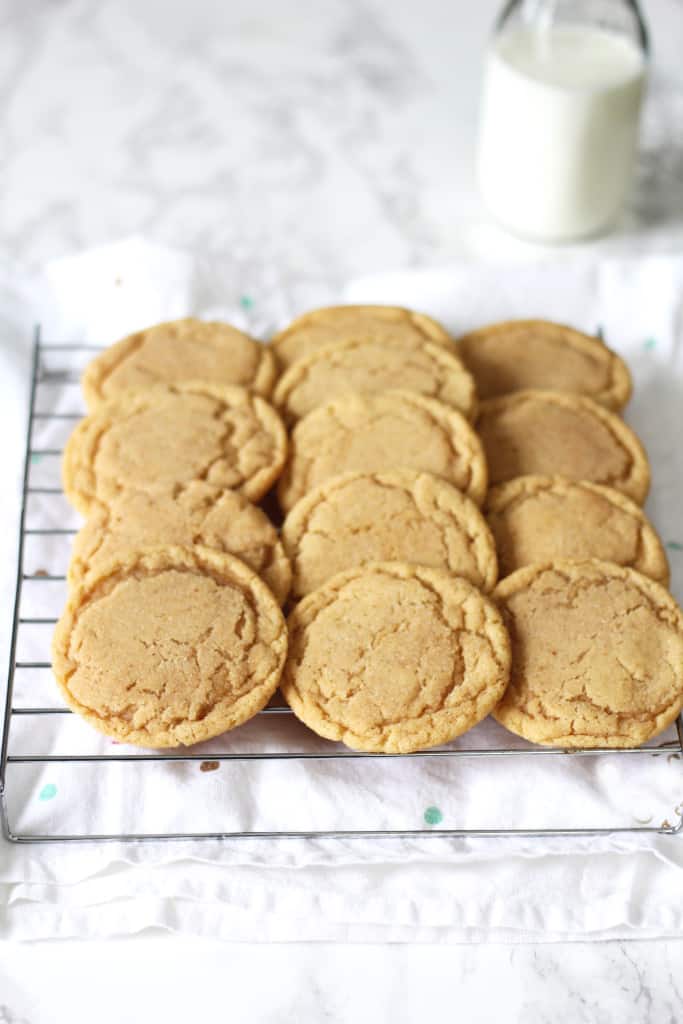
(539, 518)
(520, 354)
(199, 514)
(553, 433)
(597, 655)
(390, 325)
(376, 432)
(161, 440)
(362, 366)
(398, 516)
(395, 658)
(169, 646)
(180, 350)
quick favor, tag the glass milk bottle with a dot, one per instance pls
(559, 123)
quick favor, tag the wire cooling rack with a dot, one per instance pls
(45, 518)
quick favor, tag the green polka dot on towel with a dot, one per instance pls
(433, 816)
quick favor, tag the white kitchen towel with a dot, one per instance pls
(432, 889)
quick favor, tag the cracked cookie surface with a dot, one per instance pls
(521, 354)
(199, 514)
(400, 515)
(395, 658)
(539, 518)
(548, 432)
(161, 440)
(377, 432)
(169, 646)
(362, 366)
(180, 350)
(391, 325)
(597, 655)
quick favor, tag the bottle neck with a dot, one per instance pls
(622, 17)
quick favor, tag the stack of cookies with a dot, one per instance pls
(416, 469)
(173, 631)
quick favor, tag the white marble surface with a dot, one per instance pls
(315, 139)
(178, 980)
(303, 142)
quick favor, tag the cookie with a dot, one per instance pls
(376, 432)
(395, 658)
(399, 516)
(521, 354)
(553, 433)
(199, 514)
(161, 440)
(390, 325)
(177, 351)
(597, 655)
(538, 518)
(169, 646)
(362, 366)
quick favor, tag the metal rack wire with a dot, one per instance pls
(45, 372)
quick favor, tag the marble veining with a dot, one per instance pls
(314, 141)
(562, 983)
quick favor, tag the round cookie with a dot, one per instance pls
(391, 325)
(539, 518)
(597, 655)
(169, 646)
(362, 366)
(550, 432)
(176, 351)
(199, 514)
(395, 658)
(521, 354)
(161, 440)
(376, 432)
(398, 516)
